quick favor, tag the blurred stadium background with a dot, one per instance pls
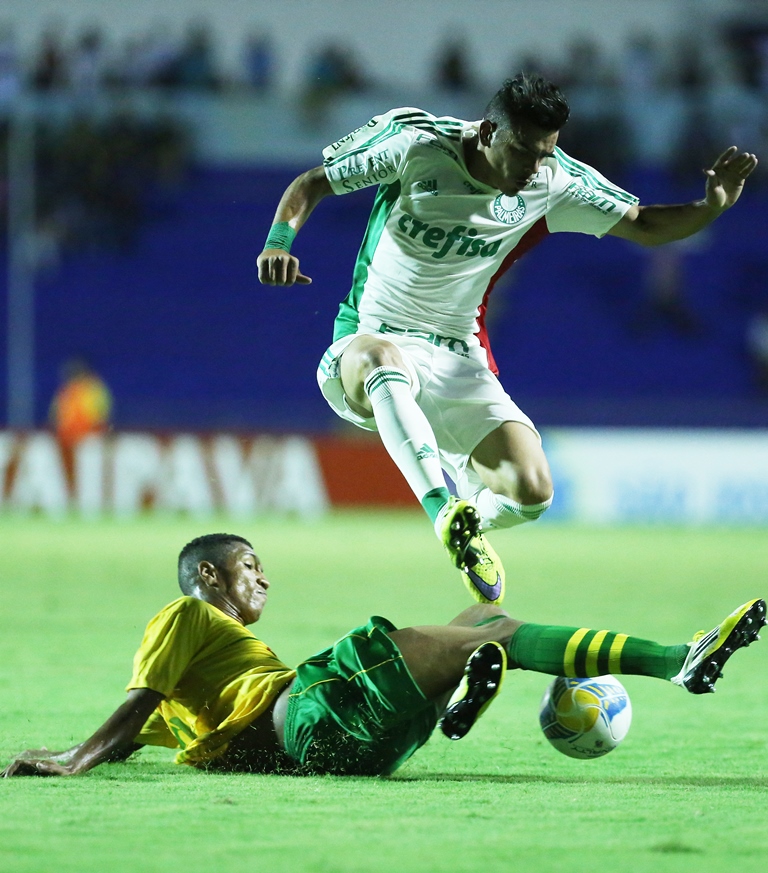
(143, 151)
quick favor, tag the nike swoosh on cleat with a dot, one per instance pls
(490, 592)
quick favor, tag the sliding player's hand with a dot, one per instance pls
(278, 267)
(35, 767)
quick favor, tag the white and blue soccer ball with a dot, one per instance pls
(585, 718)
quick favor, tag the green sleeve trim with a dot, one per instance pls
(349, 317)
(576, 168)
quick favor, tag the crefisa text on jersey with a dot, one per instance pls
(470, 244)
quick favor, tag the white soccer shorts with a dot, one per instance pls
(461, 398)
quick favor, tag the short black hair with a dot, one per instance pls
(528, 97)
(209, 547)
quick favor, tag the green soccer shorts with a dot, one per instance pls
(354, 709)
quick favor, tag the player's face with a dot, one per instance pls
(514, 156)
(246, 583)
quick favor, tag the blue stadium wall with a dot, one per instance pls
(186, 337)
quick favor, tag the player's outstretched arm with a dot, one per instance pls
(277, 266)
(113, 741)
(654, 225)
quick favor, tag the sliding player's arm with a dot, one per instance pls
(277, 266)
(113, 741)
(655, 225)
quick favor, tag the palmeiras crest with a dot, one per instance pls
(510, 210)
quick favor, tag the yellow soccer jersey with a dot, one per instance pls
(217, 677)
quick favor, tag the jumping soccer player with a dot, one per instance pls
(458, 203)
(204, 683)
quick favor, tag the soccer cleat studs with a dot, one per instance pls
(480, 684)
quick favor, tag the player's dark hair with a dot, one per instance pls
(528, 97)
(209, 547)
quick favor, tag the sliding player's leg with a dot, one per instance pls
(584, 652)
(434, 653)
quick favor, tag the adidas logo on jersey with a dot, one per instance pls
(428, 185)
(468, 243)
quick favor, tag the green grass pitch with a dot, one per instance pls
(687, 790)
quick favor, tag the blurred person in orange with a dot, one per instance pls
(83, 404)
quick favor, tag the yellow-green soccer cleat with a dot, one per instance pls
(471, 552)
(709, 651)
(480, 684)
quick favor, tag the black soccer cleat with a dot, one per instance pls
(482, 680)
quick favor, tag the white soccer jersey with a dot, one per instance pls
(438, 239)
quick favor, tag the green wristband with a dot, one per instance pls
(281, 235)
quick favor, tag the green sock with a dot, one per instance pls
(433, 501)
(581, 652)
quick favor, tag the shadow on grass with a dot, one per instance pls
(736, 782)
(136, 772)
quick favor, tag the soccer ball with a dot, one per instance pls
(585, 718)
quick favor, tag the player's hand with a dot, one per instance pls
(725, 179)
(278, 267)
(22, 766)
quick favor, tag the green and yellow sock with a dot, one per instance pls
(573, 651)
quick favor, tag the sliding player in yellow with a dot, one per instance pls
(205, 684)
(458, 203)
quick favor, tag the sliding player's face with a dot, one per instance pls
(514, 156)
(246, 583)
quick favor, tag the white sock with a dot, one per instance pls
(499, 511)
(404, 429)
